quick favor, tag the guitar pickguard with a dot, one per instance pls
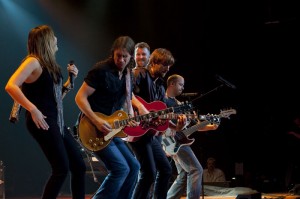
(94, 140)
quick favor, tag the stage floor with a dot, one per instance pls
(263, 196)
(59, 197)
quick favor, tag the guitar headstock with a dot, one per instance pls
(214, 119)
(226, 113)
(183, 107)
(217, 118)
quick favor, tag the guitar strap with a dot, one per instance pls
(128, 93)
(128, 105)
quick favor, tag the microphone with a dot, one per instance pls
(224, 81)
(71, 75)
(189, 94)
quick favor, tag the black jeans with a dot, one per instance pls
(155, 167)
(64, 155)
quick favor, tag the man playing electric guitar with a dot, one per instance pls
(106, 88)
(155, 166)
(173, 141)
(189, 169)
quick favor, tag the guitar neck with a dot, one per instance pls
(140, 118)
(207, 119)
(172, 116)
(156, 114)
(158, 109)
(187, 132)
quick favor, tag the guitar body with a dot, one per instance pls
(92, 139)
(172, 144)
(146, 124)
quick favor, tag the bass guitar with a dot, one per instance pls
(94, 140)
(171, 144)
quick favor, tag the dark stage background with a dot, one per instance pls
(254, 45)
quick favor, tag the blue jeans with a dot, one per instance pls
(155, 168)
(123, 170)
(189, 176)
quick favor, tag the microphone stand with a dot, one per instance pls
(87, 153)
(202, 95)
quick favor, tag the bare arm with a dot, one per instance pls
(29, 71)
(83, 104)
(138, 105)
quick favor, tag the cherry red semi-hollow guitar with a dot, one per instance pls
(157, 119)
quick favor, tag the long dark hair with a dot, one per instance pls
(127, 43)
(40, 45)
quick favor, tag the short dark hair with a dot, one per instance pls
(173, 78)
(161, 56)
(142, 45)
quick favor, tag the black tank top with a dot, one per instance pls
(41, 94)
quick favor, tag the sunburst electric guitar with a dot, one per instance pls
(172, 144)
(94, 140)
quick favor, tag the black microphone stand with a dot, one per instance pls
(204, 94)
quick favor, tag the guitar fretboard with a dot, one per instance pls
(172, 116)
(152, 115)
(140, 118)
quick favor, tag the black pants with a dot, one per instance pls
(64, 155)
(155, 167)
